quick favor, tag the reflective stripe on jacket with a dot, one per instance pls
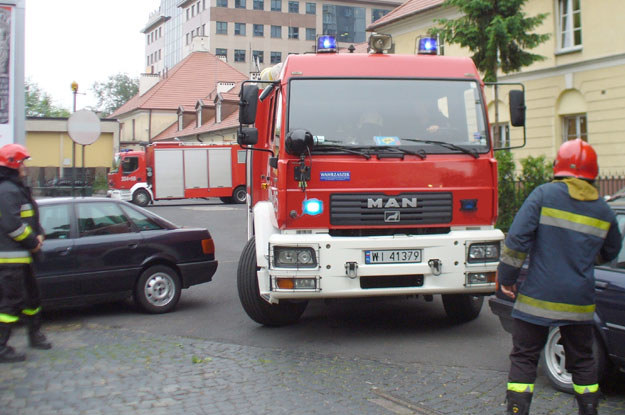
(563, 226)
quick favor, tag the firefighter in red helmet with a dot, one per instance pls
(564, 227)
(20, 241)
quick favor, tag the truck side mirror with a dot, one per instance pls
(247, 136)
(247, 104)
(298, 142)
(517, 108)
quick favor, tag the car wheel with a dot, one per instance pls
(158, 289)
(553, 361)
(461, 308)
(141, 198)
(255, 306)
(239, 195)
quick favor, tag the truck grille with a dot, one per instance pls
(380, 209)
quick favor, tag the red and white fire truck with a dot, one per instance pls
(369, 175)
(177, 170)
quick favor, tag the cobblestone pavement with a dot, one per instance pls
(95, 369)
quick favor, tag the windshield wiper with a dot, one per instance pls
(472, 152)
(323, 148)
(396, 150)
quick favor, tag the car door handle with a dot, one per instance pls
(133, 245)
(63, 251)
(601, 285)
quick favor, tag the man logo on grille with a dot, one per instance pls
(391, 216)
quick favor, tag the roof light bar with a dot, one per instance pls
(427, 46)
(326, 44)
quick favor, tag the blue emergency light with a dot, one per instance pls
(312, 207)
(326, 43)
(428, 46)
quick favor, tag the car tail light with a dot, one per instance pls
(208, 246)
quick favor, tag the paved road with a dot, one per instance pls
(358, 356)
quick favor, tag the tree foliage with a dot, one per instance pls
(114, 92)
(497, 32)
(39, 103)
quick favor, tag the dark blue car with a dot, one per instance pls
(609, 341)
(99, 249)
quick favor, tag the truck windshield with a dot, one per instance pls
(411, 113)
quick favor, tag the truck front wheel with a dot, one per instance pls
(239, 195)
(259, 310)
(461, 308)
(141, 198)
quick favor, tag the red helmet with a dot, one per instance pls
(13, 155)
(576, 158)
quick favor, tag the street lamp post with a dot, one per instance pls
(75, 92)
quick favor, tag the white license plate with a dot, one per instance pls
(393, 256)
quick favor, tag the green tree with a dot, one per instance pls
(39, 103)
(497, 32)
(507, 189)
(534, 172)
(114, 92)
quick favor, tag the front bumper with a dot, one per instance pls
(342, 271)
(119, 194)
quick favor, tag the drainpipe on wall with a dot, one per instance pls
(149, 126)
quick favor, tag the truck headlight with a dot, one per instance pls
(483, 252)
(294, 257)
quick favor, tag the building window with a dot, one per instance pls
(239, 55)
(186, 42)
(239, 4)
(259, 30)
(259, 4)
(311, 8)
(293, 6)
(574, 126)
(293, 32)
(221, 52)
(222, 3)
(204, 29)
(345, 22)
(276, 32)
(239, 29)
(378, 14)
(569, 24)
(276, 5)
(188, 14)
(221, 28)
(259, 56)
(501, 134)
(276, 57)
(311, 34)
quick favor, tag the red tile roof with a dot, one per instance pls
(193, 78)
(407, 9)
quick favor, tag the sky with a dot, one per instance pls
(84, 41)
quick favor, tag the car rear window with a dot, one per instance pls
(141, 221)
(101, 219)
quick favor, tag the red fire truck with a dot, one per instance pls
(177, 170)
(369, 175)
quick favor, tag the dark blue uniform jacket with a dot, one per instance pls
(564, 227)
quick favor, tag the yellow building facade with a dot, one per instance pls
(51, 150)
(578, 90)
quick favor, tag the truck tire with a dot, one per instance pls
(158, 289)
(239, 195)
(141, 197)
(255, 306)
(461, 308)
(552, 360)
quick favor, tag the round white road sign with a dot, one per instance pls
(84, 127)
